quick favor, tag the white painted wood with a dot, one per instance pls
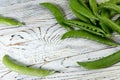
(38, 44)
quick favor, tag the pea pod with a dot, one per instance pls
(9, 63)
(114, 1)
(87, 35)
(87, 27)
(110, 24)
(91, 21)
(106, 13)
(106, 29)
(79, 16)
(102, 63)
(10, 21)
(93, 6)
(57, 13)
(82, 2)
(111, 7)
(81, 9)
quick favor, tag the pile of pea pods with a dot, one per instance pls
(93, 21)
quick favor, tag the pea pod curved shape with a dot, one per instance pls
(57, 14)
(10, 21)
(12, 65)
(89, 36)
(103, 62)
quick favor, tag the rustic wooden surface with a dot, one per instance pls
(38, 44)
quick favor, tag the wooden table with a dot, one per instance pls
(38, 44)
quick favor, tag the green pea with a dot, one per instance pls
(93, 6)
(110, 24)
(12, 65)
(87, 27)
(88, 35)
(57, 13)
(10, 21)
(81, 9)
(111, 6)
(102, 63)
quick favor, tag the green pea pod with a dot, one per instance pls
(57, 13)
(87, 27)
(93, 6)
(110, 24)
(82, 2)
(9, 63)
(111, 6)
(114, 1)
(106, 29)
(105, 12)
(102, 63)
(88, 35)
(81, 9)
(79, 16)
(10, 21)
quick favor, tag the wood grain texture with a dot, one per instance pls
(38, 44)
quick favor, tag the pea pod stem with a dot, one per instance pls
(12, 65)
(90, 36)
(10, 21)
(103, 62)
(57, 14)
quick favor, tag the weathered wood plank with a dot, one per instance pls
(38, 44)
